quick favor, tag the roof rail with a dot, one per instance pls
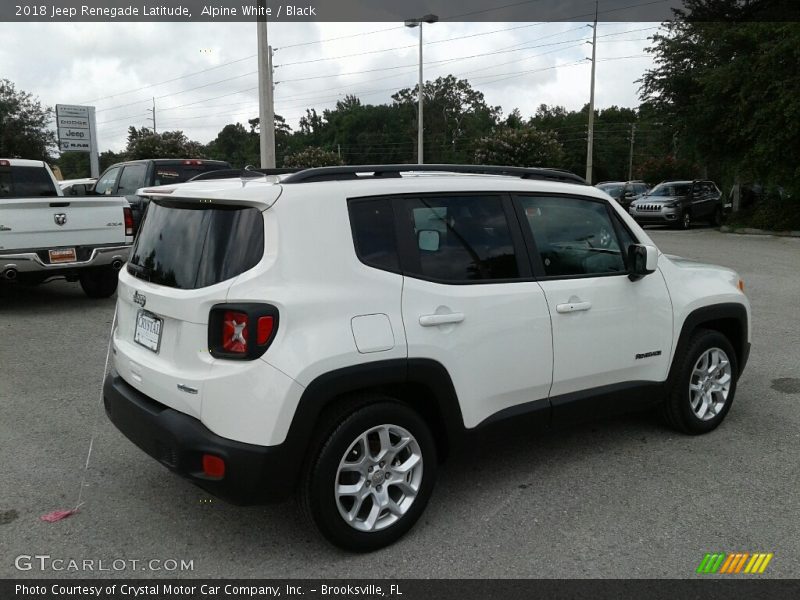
(244, 173)
(379, 171)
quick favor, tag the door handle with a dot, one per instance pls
(445, 319)
(573, 307)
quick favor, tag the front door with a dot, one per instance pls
(607, 330)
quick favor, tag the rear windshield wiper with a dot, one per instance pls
(139, 271)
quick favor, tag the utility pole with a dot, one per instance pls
(266, 108)
(630, 159)
(590, 141)
(153, 118)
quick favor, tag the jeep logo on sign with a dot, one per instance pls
(60, 218)
(139, 299)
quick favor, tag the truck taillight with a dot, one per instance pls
(4, 163)
(128, 213)
(241, 331)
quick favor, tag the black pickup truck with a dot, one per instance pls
(123, 179)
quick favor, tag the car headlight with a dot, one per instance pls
(671, 205)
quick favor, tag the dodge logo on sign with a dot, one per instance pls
(60, 218)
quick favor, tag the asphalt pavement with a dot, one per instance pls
(625, 497)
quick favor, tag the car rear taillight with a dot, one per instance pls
(234, 332)
(241, 331)
(128, 213)
(4, 163)
(193, 162)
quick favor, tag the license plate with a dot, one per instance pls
(63, 255)
(148, 330)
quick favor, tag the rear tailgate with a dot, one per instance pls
(32, 223)
(187, 255)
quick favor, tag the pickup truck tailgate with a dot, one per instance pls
(57, 222)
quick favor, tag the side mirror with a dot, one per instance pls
(428, 240)
(642, 260)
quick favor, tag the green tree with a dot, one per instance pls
(730, 88)
(311, 157)
(236, 145)
(24, 125)
(523, 147)
(143, 143)
(456, 117)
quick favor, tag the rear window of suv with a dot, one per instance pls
(188, 248)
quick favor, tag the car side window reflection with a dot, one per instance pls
(573, 236)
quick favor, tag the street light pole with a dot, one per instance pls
(420, 122)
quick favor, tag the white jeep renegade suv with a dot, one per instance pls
(338, 331)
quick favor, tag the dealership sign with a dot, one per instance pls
(75, 127)
(77, 132)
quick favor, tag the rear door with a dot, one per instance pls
(470, 302)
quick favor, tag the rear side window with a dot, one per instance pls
(372, 222)
(25, 182)
(461, 238)
(189, 248)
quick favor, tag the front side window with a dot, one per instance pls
(461, 238)
(573, 236)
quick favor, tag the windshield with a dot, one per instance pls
(188, 247)
(612, 189)
(671, 189)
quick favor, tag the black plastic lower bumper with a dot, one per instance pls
(253, 474)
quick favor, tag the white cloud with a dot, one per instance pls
(114, 67)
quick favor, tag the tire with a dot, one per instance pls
(99, 283)
(689, 387)
(685, 221)
(343, 453)
(716, 218)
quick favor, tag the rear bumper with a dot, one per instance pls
(253, 474)
(31, 261)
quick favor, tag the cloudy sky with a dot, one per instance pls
(203, 75)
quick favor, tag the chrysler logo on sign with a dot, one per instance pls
(139, 299)
(60, 218)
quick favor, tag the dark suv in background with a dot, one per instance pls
(123, 179)
(679, 204)
(623, 192)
